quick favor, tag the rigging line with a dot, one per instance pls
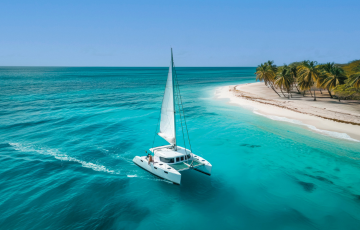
(184, 118)
(177, 97)
(183, 110)
(182, 126)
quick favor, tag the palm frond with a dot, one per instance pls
(354, 80)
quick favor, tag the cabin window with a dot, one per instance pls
(182, 158)
(189, 156)
(177, 159)
(167, 160)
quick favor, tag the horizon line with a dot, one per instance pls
(132, 66)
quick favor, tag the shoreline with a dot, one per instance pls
(326, 116)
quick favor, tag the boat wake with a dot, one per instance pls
(297, 122)
(63, 157)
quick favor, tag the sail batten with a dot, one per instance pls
(167, 122)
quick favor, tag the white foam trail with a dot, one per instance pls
(63, 157)
(297, 122)
(132, 175)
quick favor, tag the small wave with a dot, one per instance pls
(149, 177)
(297, 122)
(153, 178)
(61, 156)
(125, 159)
(132, 175)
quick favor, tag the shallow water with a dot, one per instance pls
(68, 136)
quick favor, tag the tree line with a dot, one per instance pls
(307, 75)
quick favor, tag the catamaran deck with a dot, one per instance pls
(186, 165)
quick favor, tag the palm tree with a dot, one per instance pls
(293, 73)
(272, 67)
(333, 77)
(284, 80)
(354, 80)
(309, 74)
(262, 74)
(327, 67)
(265, 73)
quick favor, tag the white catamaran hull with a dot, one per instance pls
(171, 172)
(162, 171)
(204, 169)
(206, 166)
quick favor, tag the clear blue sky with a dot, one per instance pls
(202, 33)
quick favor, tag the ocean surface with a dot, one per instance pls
(68, 137)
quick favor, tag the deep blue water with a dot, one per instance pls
(68, 136)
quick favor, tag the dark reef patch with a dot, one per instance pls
(250, 146)
(320, 178)
(210, 114)
(308, 187)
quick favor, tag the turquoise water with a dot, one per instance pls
(68, 136)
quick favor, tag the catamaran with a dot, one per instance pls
(169, 160)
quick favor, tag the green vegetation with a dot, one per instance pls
(340, 80)
(351, 68)
(266, 72)
(334, 77)
(284, 80)
(354, 80)
(309, 73)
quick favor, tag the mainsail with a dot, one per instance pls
(167, 122)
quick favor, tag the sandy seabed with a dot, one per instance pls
(325, 115)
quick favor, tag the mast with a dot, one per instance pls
(173, 86)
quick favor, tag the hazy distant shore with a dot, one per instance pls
(326, 116)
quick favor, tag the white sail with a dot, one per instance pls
(167, 122)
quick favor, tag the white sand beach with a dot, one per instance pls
(326, 116)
